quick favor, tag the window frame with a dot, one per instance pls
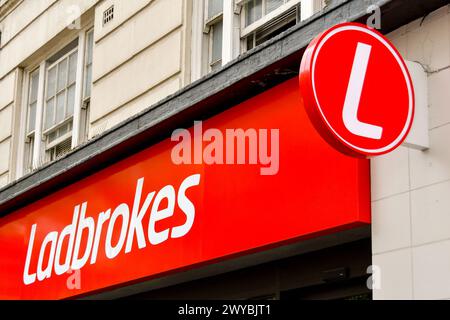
(208, 21)
(209, 26)
(265, 18)
(235, 32)
(56, 126)
(28, 94)
(30, 136)
(86, 99)
(41, 146)
(212, 64)
(49, 145)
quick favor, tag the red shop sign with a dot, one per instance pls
(357, 90)
(146, 216)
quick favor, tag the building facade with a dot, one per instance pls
(87, 83)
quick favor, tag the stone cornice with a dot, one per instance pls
(6, 6)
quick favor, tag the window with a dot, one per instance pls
(59, 102)
(253, 11)
(256, 9)
(215, 61)
(88, 64)
(84, 117)
(215, 8)
(214, 28)
(52, 106)
(58, 148)
(243, 26)
(60, 93)
(32, 101)
(264, 19)
(31, 120)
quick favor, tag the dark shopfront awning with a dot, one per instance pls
(253, 72)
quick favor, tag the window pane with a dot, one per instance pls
(254, 11)
(49, 113)
(88, 71)
(52, 136)
(62, 75)
(250, 41)
(272, 5)
(63, 130)
(28, 166)
(34, 84)
(89, 47)
(32, 117)
(88, 82)
(51, 82)
(70, 100)
(214, 7)
(60, 107)
(32, 103)
(216, 53)
(73, 67)
(265, 35)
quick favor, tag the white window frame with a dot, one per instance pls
(83, 116)
(265, 18)
(231, 28)
(212, 28)
(198, 41)
(87, 98)
(48, 67)
(30, 137)
(201, 54)
(208, 21)
(54, 143)
(209, 24)
(39, 148)
(234, 31)
(311, 7)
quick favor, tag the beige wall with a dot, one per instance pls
(128, 72)
(29, 32)
(26, 33)
(411, 188)
(7, 107)
(138, 59)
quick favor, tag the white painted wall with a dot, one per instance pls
(139, 57)
(411, 188)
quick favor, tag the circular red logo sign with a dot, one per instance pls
(357, 90)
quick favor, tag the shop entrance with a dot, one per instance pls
(333, 273)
